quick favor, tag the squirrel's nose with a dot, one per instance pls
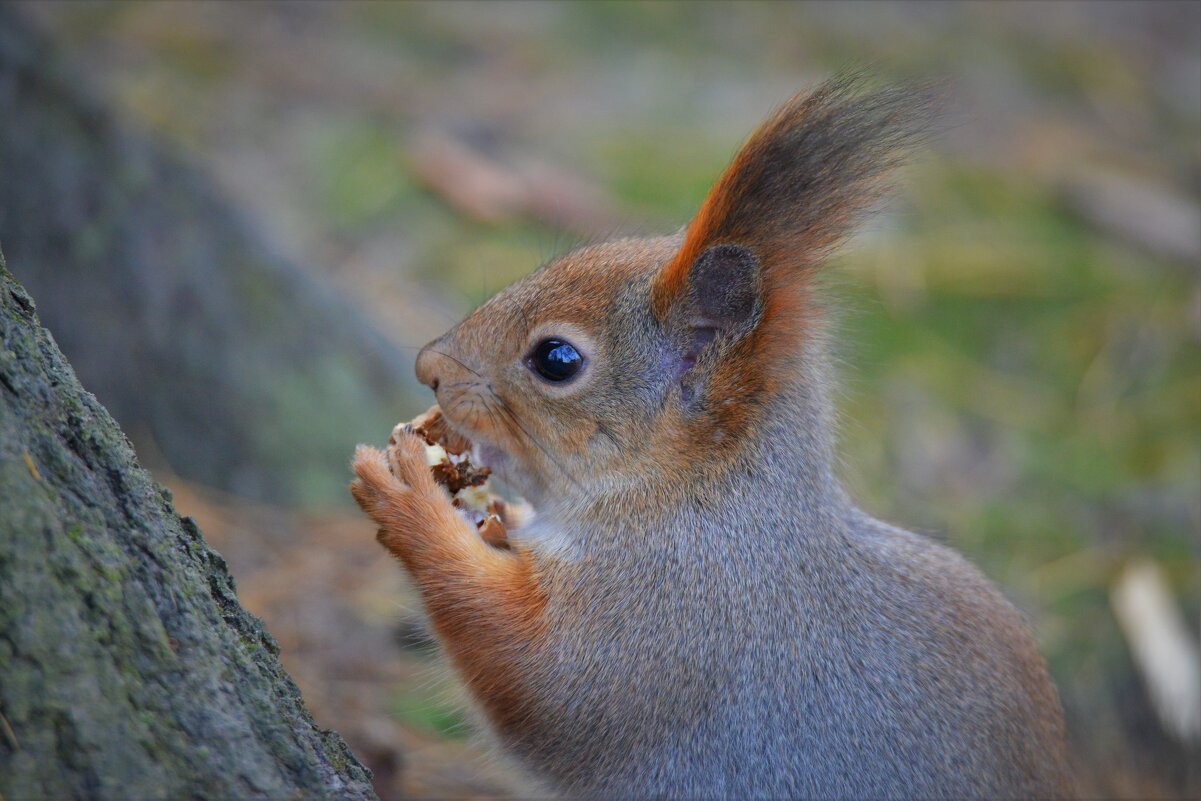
(427, 366)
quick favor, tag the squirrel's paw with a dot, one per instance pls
(406, 460)
(397, 491)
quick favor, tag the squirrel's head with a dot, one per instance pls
(644, 360)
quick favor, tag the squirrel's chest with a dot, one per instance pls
(664, 609)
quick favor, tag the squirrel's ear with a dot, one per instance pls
(723, 298)
(724, 289)
(791, 194)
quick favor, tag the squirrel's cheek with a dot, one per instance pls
(490, 455)
(507, 467)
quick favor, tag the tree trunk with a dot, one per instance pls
(245, 371)
(127, 668)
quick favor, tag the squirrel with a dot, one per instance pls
(695, 608)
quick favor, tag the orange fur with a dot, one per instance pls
(484, 602)
(703, 231)
(711, 225)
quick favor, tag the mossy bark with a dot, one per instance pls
(127, 668)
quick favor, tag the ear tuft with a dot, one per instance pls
(801, 182)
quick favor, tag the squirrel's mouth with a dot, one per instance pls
(482, 451)
(485, 451)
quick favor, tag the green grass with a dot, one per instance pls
(429, 711)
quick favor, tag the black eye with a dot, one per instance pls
(555, 360)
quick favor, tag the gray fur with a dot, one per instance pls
(838, 658)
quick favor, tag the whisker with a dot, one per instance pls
(508, 417)
(521, 310)
(465, 404)
(504, 407)
(456, 361)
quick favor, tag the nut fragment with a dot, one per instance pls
(448, 455)
(432, 427)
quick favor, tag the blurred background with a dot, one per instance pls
(241, 220)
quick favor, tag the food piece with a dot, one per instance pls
(493, 532)
(432, 427)
(448, 455)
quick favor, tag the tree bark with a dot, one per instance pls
(127, 668)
